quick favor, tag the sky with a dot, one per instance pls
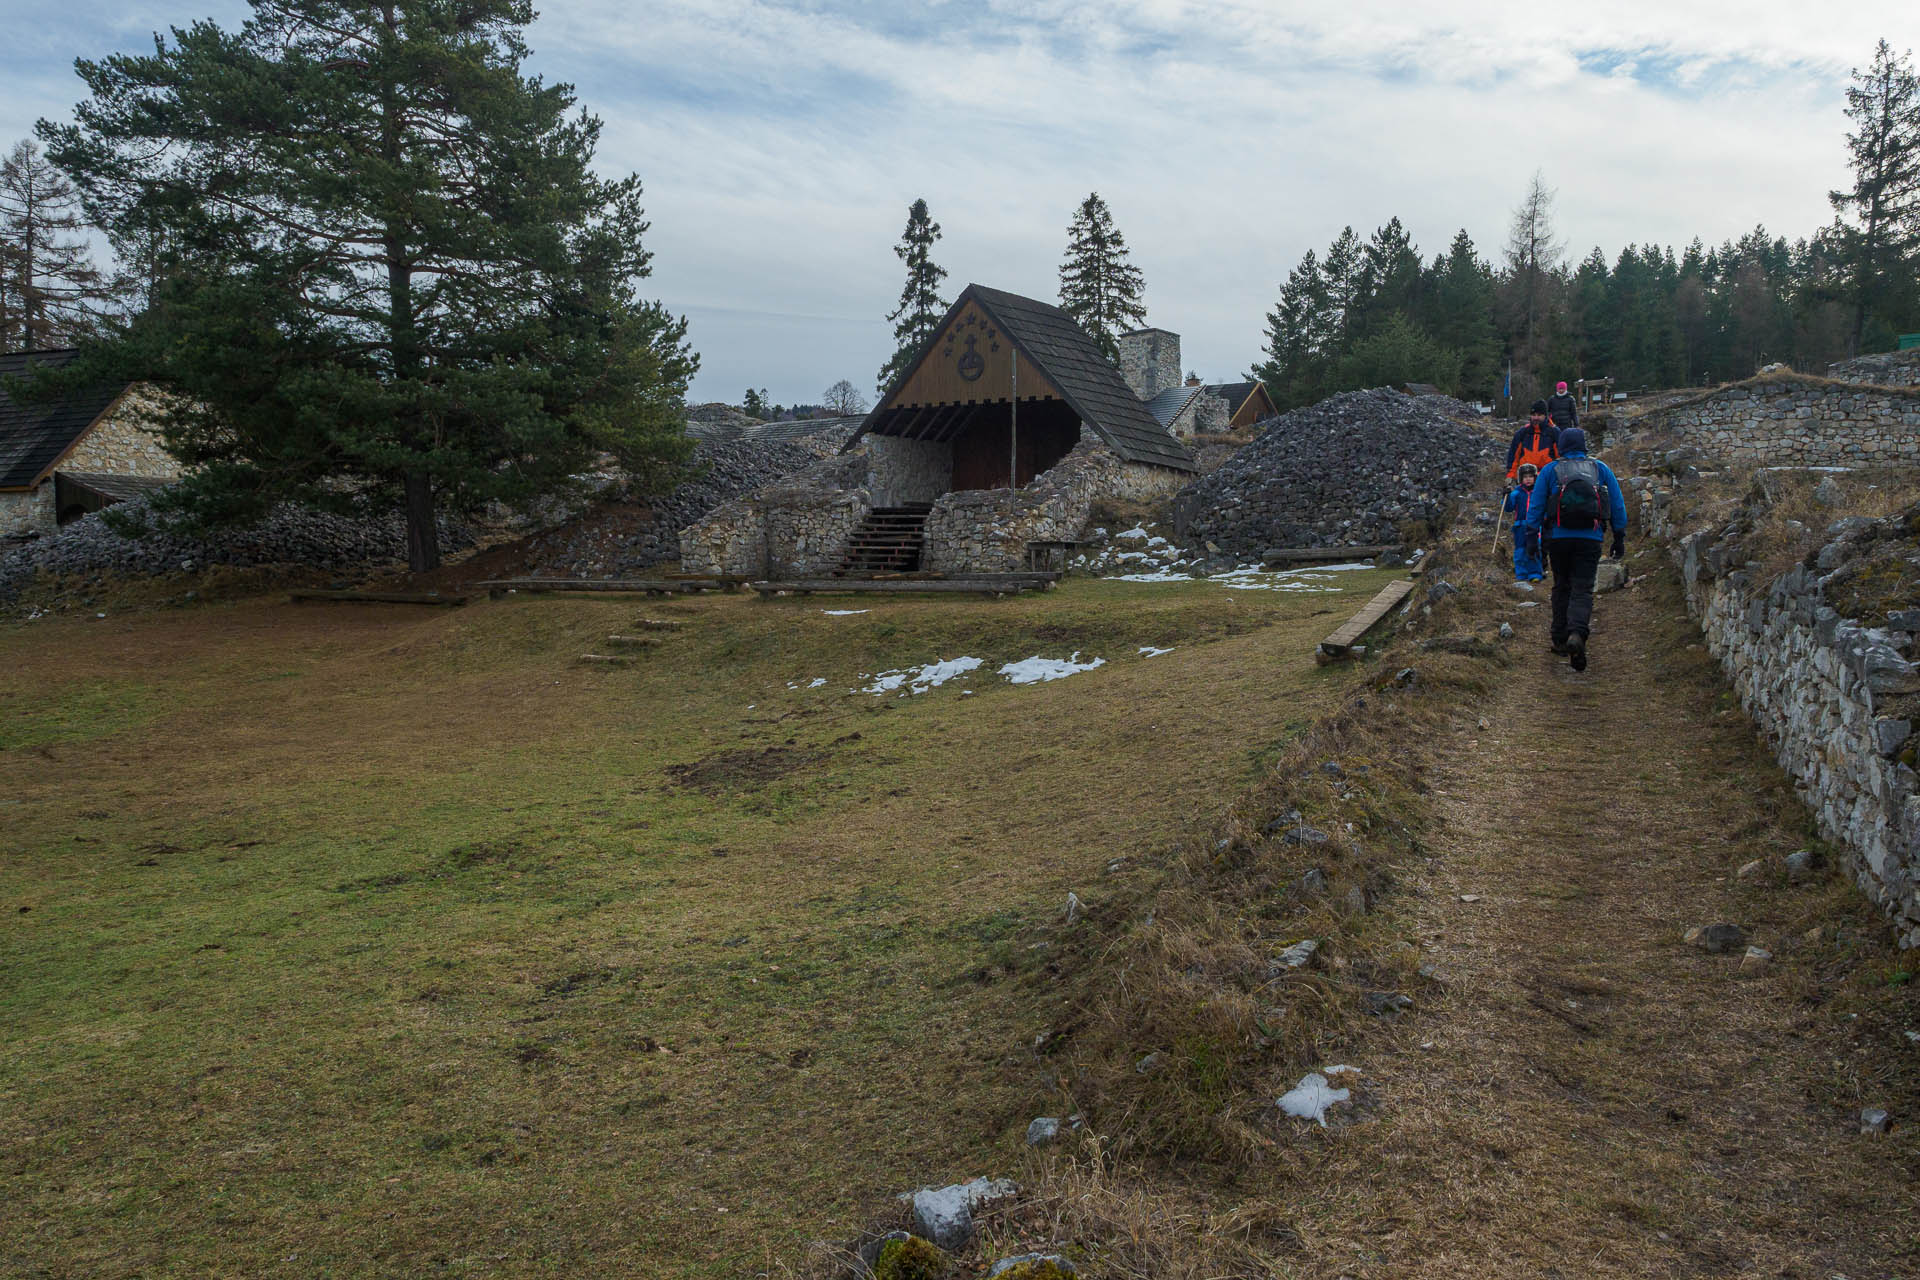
(781, 141)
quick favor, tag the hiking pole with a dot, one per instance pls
(1498, 522)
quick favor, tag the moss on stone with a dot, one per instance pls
(910, 1259)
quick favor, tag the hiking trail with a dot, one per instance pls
(1588, 1096)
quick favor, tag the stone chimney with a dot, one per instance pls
(1150, 361)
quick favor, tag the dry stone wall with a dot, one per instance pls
(798, 527)
(124, 443)
(987, 530)
(1787, 420)
(908, 472)
(29, 513)
(1889, 369)
(1836, 697)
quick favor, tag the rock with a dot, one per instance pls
(1357, 903)
(1332, 769)
(1043, 1130)
(1827, 492)
(1314, 881)
(1074, 907)
(1904, 620)
(1610, 576)
(1527, 587)
(1890, 735)
(1717, 939)
(1754, 963)
(1405, 676)
(1440, 591)
(1150, 1064)
(1305, 835)
(1752, 869)
(1033, 1266)
(869, 1251)
(1875, 1120)
(1528, 604)
(1297, 956)
(1506, 631)
(1386, 1003)
(1799, 864)
(910, 1259)
(944, 1215)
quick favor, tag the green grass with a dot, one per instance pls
(368, 942)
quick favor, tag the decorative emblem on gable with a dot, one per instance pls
(971, 365)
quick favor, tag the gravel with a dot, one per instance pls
(1349, 471)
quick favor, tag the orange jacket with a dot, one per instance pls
(1532, 444)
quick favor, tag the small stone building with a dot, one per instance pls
(1150, 363)
(1004, 432)
(62, 458)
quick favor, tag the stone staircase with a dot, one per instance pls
(889, 540)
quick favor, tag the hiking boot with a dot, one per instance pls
(1577, 651)
(1559, 648)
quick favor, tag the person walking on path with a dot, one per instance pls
(1534, 443)
(1573, 498)
(1561, 408)
(1526, 550)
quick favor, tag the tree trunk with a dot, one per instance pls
(423, 537)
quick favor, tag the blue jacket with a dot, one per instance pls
(1516, 505)
(1546, 488)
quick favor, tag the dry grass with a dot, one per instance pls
(371, 941)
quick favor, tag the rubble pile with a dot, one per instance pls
(1349, 471)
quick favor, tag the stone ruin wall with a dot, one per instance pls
(125, 443)
(987, 530)
(905, 473)
(28, 513)
(1889, 369)
(798, 528)
(1150, 361)
(1792, 421)
(1818, 686)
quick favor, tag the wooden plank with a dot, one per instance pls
(1337, 644)
(867, 586)
(377, 597)
(1319, 555)
(651, 586)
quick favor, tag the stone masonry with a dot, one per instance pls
(1789, 420)
(1888, 369)
(122, 443)
(1150, 361)
(1835, 696)
(908, 472)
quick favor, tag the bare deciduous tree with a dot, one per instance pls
(843, 400)
(50, 291)
(1533, 254)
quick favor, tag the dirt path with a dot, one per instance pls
(1588, 1096)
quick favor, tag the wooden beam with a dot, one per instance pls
(1340, 643)
(377, 597)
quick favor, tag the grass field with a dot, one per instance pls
(365, 941)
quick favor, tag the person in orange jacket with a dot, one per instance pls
(1538, 442)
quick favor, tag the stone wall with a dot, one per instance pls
(22, 514)
(1889, 369)
(124, 443)
(987, 530)
(908, 472)
(798, 527)
(1835, 697)
(1150, 361)
(1788, 420)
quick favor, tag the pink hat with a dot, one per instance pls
(1561, 387)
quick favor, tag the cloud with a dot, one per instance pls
(781, 140)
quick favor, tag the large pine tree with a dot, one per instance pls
(1882, 240)
(918, 316)
(1099, 287)
(393, 274)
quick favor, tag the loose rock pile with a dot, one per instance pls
(1349, 471)
(289, 535)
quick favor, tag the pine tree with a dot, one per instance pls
(51, 294)
(917, 319)
(395, 276)
(1884, 203)
(1099, 288)
(1462, 310)
(1296, 331)
(1340, 278)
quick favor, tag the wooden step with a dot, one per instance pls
(1340, 643)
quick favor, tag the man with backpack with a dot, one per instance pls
(1534, 443)
(1573, 498)
(1561, 408)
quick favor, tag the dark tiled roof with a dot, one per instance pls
(34, 433)
(1234, 393)
(1168, 405)
(1050, 338)
(1061, 349)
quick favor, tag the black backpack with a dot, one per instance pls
(1577, 504)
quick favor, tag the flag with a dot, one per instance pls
(1507, 390)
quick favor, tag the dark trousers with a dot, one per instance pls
(1575, 561)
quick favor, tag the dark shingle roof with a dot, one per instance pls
(1049, 337)
(1234, 393)
(34, 433)
(1061, 350)
(1168, 405)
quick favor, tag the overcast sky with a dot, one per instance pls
(782, 140)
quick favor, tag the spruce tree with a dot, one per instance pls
(1883, 237)
(917, 319)
(394, 276)
(51, 294)
(1099, 288)
(1296, 334)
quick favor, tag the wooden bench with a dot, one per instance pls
(1011, 584)
(377, 597)
(609, 586)
(1340, 644)
(1320, 555)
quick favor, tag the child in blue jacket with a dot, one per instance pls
(1526, 547)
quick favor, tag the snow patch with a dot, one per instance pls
(920, 679)
(1148, 651)
(1311, 1098)
(844, 613)
(1037, 669)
